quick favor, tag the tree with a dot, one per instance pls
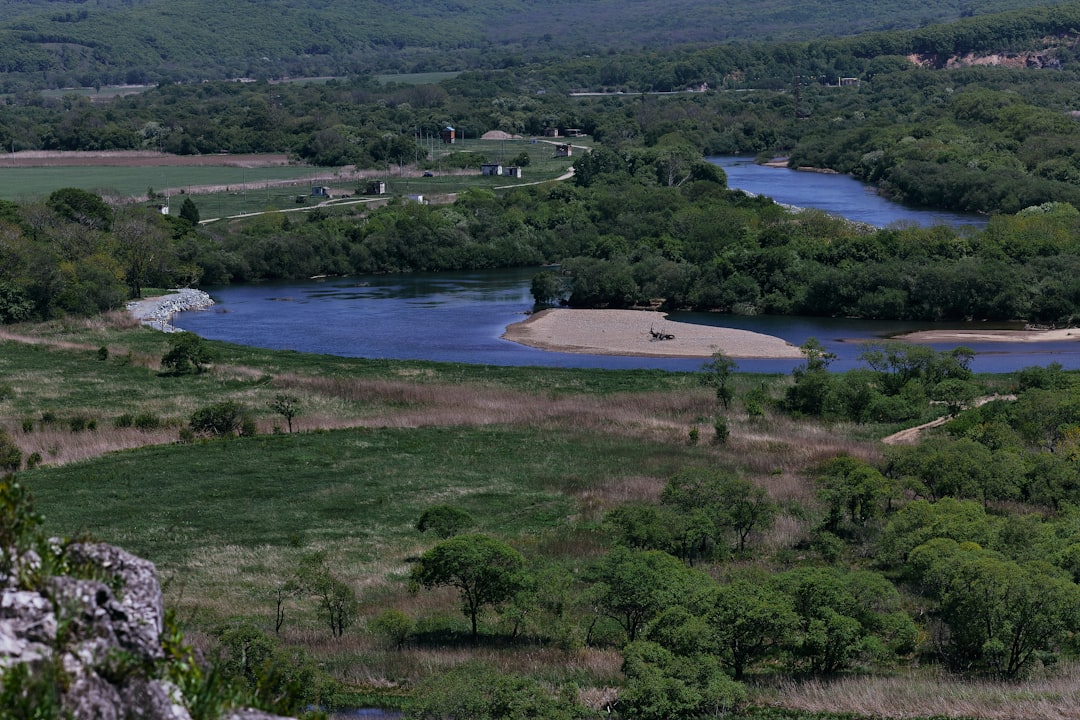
(445, 520)
(634, 586)
(717, 375)
(547, 288)
(82, 207)
(747, 620)
(286, 406)
(484, 570)
(187, 353)
(733, 504)
(1001, 615)
(141, 246)
(851, 488)
(189, 211)
(337, 601)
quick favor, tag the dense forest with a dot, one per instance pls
(47, 43)
(921, 121)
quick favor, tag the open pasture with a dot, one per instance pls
(31, 183)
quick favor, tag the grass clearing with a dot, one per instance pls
(28, 183)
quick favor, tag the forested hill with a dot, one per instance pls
(61, 43)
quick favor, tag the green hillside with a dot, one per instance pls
(44, 43)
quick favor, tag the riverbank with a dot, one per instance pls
(157, 312)
(1004, 336)
(640, 333)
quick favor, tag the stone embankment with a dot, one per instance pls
(158, 312)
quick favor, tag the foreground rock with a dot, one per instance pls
(91, 639)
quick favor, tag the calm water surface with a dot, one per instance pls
(835, 194)
(459, 317)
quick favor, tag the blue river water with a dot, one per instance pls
(836, 194)
(460, 317)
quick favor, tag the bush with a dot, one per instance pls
(721, 428)
(147, 421)
(124, 421)
(187, 353)
(10, 454)
(445, 520)
(78, 423)
(393, 626)
(223, 418)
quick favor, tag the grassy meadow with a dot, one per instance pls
(537, 456)
(23, 183)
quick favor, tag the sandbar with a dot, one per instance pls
(1010, 336)
(630, 332)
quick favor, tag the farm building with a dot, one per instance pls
(376, 187)
(564, 150)
(512, 171)
(320, 191)
(491, 169)
(447, 135)
(551, 132)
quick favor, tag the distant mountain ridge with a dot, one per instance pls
(59, 43)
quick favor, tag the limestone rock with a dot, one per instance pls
(103, 627)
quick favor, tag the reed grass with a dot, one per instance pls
(930, 694)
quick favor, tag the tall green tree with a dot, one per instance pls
(736, 506)
(485, 571)
(634, 586)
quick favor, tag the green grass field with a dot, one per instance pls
(24, 184)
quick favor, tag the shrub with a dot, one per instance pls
(124, 421)
(147, 421)
(721, 429)
(445, 520)
(10, 454)
(393, 626)
(78, 423)
(187, 353)
(223, 418)
(28, 425)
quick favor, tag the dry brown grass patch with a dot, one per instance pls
(1051, 698)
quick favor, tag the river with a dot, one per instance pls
(459, 317)
(836, 194)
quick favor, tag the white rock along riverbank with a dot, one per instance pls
(157, 312)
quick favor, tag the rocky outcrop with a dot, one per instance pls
(96, 631)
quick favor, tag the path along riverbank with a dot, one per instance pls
(157, 312)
